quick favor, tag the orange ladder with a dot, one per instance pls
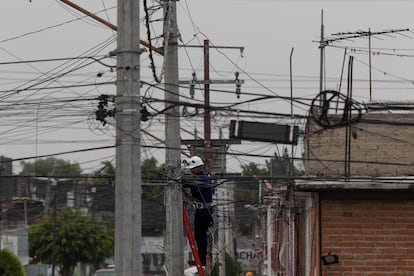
(187, 228)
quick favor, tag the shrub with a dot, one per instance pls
(10, 264)
(232, 267)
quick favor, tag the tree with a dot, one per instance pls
(233, 267)
(153, 211)
(103, 198)
(79, 238)
(54, 175)
(280, 167)
(10, 264)
(151, 172)
(247, 193)
(252, 169)
(51, 166)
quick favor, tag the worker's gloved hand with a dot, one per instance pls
(187, 180)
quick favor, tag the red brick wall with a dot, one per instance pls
(371, 237)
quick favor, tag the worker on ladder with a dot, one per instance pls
(199, 183)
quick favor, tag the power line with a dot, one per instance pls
(97, 59)
(44, 29)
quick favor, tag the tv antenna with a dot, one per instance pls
(350, 35)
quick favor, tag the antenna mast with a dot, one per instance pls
(358, 34)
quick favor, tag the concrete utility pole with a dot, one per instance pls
(174, 243)
(128, 220)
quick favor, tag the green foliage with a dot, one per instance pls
(79, 238)
(281, 166)
(151, 172)
(107, 169)
(232, 267)
(278, 169)
(153, 211)
(252, 169)
(104, 197)
(10, 264)
(51, 166)
(150, 169)
(247, 193)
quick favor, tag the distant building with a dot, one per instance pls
(8, 187)
(6, 166)
(17, 241)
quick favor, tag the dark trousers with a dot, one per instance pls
(202, 221)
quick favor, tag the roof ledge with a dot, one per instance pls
(382, 183)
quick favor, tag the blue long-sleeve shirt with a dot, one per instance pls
(200, 186)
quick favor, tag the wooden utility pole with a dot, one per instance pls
(128, 219)
(206, 82)
(174, 240)
(207, 146)
(207, 119)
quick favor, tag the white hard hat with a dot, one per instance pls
(193, 162)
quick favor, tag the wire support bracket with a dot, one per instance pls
(135, 50)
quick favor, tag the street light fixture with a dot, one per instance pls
(330, 259)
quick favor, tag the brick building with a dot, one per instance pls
(380, 145)
(363, 223)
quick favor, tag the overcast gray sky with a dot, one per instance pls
(36, 122)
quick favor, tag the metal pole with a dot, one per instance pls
(173, 200)
(322, 49)
(128, 219)
(1, 222)
(369, 58)
(269, 238)
(230, 245)
(291, 171)
(348, 129)
(25, 201)
(291, 265)
(221, 227)
(54, 234)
